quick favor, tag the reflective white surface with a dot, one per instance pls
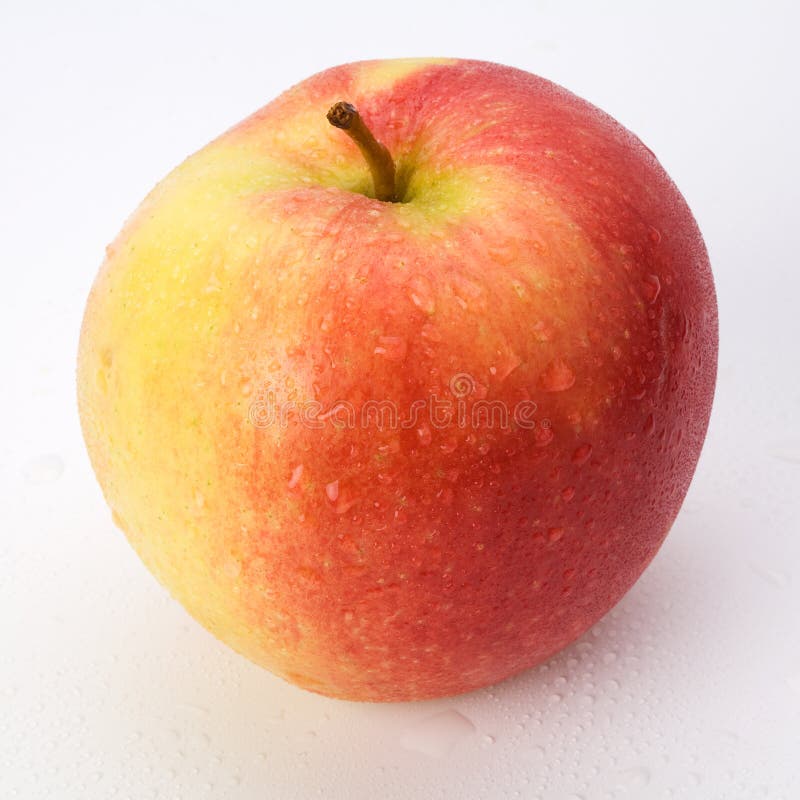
(690, 688)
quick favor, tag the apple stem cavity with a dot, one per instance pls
(379, 160)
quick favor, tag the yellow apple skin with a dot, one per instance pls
(540, 249)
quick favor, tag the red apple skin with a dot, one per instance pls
(405, 564)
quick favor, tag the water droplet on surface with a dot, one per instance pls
(793, 682)
(46, 468)
(649, 425)
(731, 737)
(775, 577)
(194, 707)
(557, 376)
(788, 452)
(635, 777)
(437, 735)
(332, 491)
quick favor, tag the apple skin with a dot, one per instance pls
(540, 250)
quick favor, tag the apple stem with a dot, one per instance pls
(379, 160)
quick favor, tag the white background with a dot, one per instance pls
(689, 689)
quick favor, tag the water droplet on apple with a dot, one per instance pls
(437, 735)
(649, 425)
(424, 434)
(568, 493)
(448, 446)
(421, 294)
(554, 534)
(393, 348)
(332, 491)
(557, 376)
(505, 252)
(46, 468)
(297, 473)
(327, 322)
(467, 292)
(431, 333)
(445, 496)
(543, 434)
(581, 454)
(652, 288)
(655, 235)
(543, 332)
(685, 327)
(506, 361)
(232, 567)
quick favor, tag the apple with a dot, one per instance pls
(401, 408)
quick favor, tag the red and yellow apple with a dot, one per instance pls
(534, 255)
